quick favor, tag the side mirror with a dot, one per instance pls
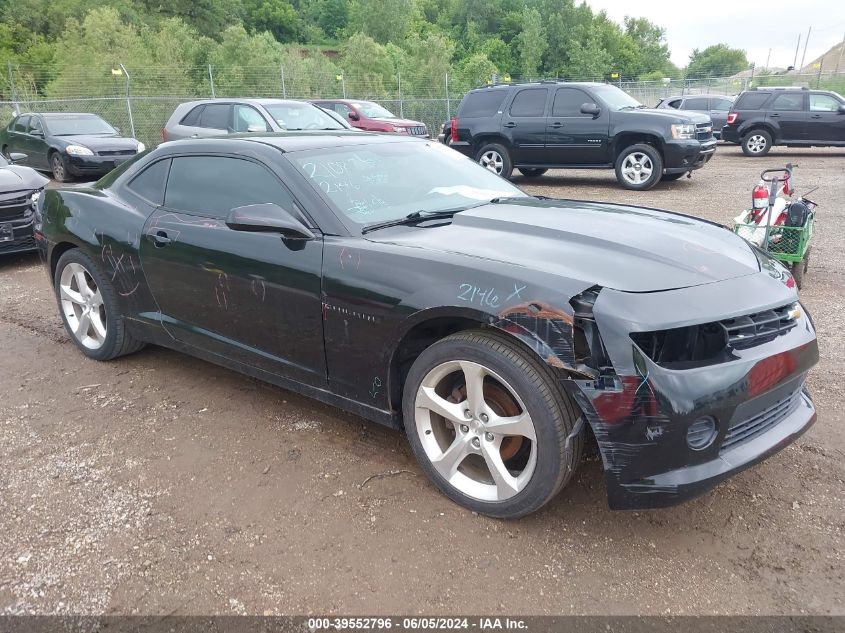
(268, 218)
(842, 108)
(256, 127)
(354, 116)
(590, 108)
(16, 157)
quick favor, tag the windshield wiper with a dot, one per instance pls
(412, 218)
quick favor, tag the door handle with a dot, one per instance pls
(509, 124)
(816, 116)
(159, 238)
(774, 115)
(557, 124)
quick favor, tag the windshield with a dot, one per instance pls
(73, 124)
(616, 99)
(301, 116)
(373, 110)
(380, 182)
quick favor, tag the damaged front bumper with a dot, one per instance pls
(668, 432)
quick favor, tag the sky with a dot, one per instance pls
(752, 25)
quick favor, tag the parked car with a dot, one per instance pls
(795, 117)
(68, 145)
(216, 117)
(714, 106)
(370, 116)
(490, 325)
(539, 126)
(19, 189)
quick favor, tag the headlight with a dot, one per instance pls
(402, 130)
(78, 150)
(34, 197)
(684, 131)
(141, 147)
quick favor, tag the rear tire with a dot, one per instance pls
(474, 460)
(532, 172)
(639, 167)
(89, 308)
(495, 158)
(756, 143)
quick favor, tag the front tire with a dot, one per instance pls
(495, 158)
(639, 167)
(756, 143)
(89, 308)
(532, 172)
(488, 423)
(58, 165)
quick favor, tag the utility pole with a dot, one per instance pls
(128, 101)
(795, 61)
(768, 57)
(282, 73)
(807, 41)
(211, 81)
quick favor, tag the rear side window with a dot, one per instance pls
(696, 103)
(530, 102)
(215, 116)
(721, 105)
(193, 117)
(752, 100)
(568, 102)
(149, 184)
(675, 103)
(790, 101)
(482, 103)
(214, 185)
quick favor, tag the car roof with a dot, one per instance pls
(290, 141)
(694, 96)
(246, 100)
(550, 82)
(61, 114)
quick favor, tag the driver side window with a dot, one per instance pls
(35, 126)
(246, 116)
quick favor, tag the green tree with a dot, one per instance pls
(367, 66)
(246, 65)
(499, 54)
(471, 72)
(274, 16)
(531, 43)
(383, 20)
(716, 61)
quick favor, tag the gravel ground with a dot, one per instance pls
(160, 484)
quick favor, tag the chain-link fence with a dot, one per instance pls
(139, 100)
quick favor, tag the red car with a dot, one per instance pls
(366, 115)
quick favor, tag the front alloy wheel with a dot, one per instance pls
(475, 430)
(490, 423)
(637, 168)
(83, 307)
(57, 164)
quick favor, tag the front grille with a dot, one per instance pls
(704, 131)
(119, 152)
(14, 208)
(741, 431)
(418, 130)
(758, 328)
(27, 243)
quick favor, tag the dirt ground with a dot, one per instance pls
(160, 484)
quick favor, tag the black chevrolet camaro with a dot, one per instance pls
(396, 279)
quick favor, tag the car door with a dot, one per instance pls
(788, 111)
(248, 119)
(35, 143)
(251, 297)
(572, 137)
(524, 126)
(16, 136)
(826, 124)
(719, 108)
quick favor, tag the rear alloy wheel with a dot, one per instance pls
(89, 308)
(532, 172)
(489, 424)
(495, 158)
(59, 168)
(757, 143)
(639, 167)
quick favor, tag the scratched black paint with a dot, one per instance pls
(339, 317)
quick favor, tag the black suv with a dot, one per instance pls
(764, 117)
(537, 126)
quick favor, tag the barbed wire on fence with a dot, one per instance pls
(141, 99)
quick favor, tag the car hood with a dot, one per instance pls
(19, 178)
(100, 143)
(626, 248)
(400, 122)
(672, 115)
